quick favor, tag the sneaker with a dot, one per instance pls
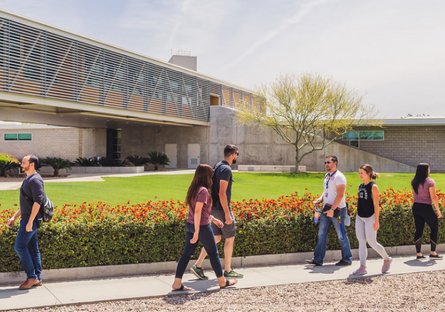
(360, 270)
(311, 261)
(386, 265)
(436, 257)
(421, 257)
(233, 274)
(343, 263)
(199, 272)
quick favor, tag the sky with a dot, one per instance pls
(390, 51)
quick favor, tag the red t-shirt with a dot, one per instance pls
(423, 192)
(202, 196)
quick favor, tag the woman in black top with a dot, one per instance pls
(367, 221)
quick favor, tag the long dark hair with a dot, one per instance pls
(202, 178)
(420, 177)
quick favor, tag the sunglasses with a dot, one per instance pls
(328, 162)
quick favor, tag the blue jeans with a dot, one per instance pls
(27, 248)
(207, 240)
(323, 231)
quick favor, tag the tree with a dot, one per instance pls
(137, 160)
(57, 164)
(308, 111)
(157, 159)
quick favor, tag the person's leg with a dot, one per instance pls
(346, 253)
(420, 224)
(208, 242)
(433, 222)
(21, 247)
(203, 253)
(323, 231)
(371, 237)
(218, 214)
(228, 251)
(189, 250)
(361, 236)
(33, 249)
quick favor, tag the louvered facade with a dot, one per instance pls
(46, 62)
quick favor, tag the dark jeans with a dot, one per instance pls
(207, 240)
(27, 248)
(425, 213)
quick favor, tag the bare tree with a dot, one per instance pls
(308, 111)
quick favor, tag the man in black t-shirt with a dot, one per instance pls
(26, 245)
(221, 197)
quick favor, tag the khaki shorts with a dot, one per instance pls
(228, 230)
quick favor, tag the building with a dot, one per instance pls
(114, 103)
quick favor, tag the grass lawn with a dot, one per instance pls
(245, 186)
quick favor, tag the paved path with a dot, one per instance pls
(11, 184)
(87, 291)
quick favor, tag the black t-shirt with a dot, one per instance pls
(34, 189)
(222, 172)
(365, 206)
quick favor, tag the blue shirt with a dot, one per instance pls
(222, 172)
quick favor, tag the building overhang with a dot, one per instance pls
(34, 109)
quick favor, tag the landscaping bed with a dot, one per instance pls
(91, 234)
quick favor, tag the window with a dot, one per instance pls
(354, 137)
(18, 137)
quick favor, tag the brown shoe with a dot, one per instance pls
(38, 283)
(28, 283)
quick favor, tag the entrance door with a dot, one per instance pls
(193, 151)
(171, 150)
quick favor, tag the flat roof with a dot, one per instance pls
(416, 121)
(40, 25)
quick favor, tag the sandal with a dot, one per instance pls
(228, 283)
(181, 288)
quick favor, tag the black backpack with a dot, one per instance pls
(46, 211)
(215, 195)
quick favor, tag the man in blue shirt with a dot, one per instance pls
(32, 195)
(221, 210)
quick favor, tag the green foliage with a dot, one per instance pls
(137, 160)
(8, 162)
(57, 163)
(157, 159)
(85, 162)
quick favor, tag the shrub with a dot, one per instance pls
(8, 162)
(157, 159)
(57, 164)
(137, 160)
(85, 162)
(99, 234)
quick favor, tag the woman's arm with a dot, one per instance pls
(197, 220)
(376, 201)
(435, 200)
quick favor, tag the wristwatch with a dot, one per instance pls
(333, 209)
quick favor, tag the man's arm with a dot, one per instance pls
(223, 184)
(34, 212)
(11, 221)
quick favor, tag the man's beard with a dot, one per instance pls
(24, 169)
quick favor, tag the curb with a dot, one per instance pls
(107, 271)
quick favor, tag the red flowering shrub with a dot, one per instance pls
(100, 234)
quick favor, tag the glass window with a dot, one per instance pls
(371, 135)
(352, 135)
(25, 136)
(10, 136)
(354, 143)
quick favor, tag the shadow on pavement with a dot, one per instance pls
(325, 269)
(419, 263)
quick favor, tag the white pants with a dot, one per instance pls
(364, 229)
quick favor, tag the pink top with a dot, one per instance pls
(202, 196)
(423, 192)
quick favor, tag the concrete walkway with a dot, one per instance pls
(131, 287)
(11, 184)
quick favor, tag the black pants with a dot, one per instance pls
(207, 240)
(425, 213)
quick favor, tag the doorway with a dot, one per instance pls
(193, 152)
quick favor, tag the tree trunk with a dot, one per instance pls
(297, 159)
(56, 172)
(156, 167)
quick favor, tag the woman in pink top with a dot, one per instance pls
(424, 192)
(198, 228)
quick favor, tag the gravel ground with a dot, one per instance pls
(407, 292)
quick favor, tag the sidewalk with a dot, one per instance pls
(132, 287)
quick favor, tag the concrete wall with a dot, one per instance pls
(261, 146)
(143, 140)
(93, 143)
(409, 145)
